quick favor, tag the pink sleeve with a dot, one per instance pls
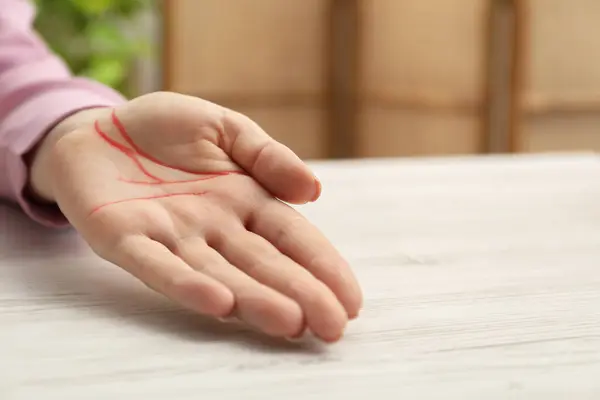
(36, 92)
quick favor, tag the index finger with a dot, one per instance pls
(294, 236)
(159, 269)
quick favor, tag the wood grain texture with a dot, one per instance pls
(481, 280)
(562, 46)
(232, 47)
(559, 102)
(424, 49)
(398, 132)
(561, 133)
(426, 62)
(264, 57)
(300, 128)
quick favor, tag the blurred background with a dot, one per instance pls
(357, 78)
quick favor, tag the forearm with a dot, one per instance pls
(37, 93)
(40, 160)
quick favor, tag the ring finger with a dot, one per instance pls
(258, 258)
(255, 303)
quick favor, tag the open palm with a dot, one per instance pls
(188, 197)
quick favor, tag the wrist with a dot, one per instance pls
(40, 159)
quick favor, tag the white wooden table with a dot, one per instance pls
(481, 276)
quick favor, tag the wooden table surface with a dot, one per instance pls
(481, 277)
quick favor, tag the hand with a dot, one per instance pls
(188, 197)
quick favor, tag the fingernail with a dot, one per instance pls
(333, 339)
(319, 187)
(298, 336)
(295, 338)
(227, 320)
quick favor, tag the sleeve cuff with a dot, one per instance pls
(28, 124)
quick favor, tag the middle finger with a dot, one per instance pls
(256, 304)
(258, 258)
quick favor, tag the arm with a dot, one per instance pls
(37, 95)
(157, 188)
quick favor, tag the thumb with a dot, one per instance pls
(271, 163)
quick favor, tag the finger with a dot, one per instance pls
(271, 163)
(296, 237)
(251, 253)
(161, 270)
(256, 304)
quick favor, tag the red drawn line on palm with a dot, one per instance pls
(135, 150)
(126, 151)
(132, 154)
(162, 182)
(121, 128)
(162, 196)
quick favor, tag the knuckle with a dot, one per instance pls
(310, 292)
(105, 245)
(263, 261)
(330, 267)
(236, 119)
(175, 284)
(261, 153)
(288, 231)
(233, 123)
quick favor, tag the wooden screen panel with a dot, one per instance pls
(552, 133)
(264, 58)
(428, 57)
(560, 96)
(390, 133)
(232, 47)
(300, 128)
(431, 49)
(563, 52)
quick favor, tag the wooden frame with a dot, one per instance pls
(343, 76)
(438, 103)
(492, 137)
(343, 99)
(518, 72)
(307, 102)
(523, 105)
(166, 47)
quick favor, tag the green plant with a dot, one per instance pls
(92, 36)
